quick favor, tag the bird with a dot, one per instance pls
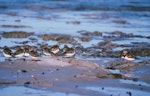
(55, 49)
(128, 55)
(7, 52)
(32, 48)
(65, 48)
(34, 54)
(19, 53)
(70, 52)
(26, 50)
(46, 51)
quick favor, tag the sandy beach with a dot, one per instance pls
(70, 75)
(102, 35)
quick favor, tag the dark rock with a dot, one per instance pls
(15, 26)
(73, 22)
(111, 75)
(144, 62)
(97, 33)
(140, 51)
(120, 34)
(24, 71)
(136, 8)
(112, 38)
(120, 22)
(92, 52)
(84, 39)
(116, 54)
(26, 84)
(33, 39)
(17, 34)
(37, 7)
(18, 20)
(87, 33)
(106, 44)
(117, 76)
(121, 65)
(61, 38)
(4, 83)
(101, 75)
(141, 44)
(97, 16)
(23, 42)
(102, 49)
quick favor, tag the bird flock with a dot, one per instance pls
(33, 51)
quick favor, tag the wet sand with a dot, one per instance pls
(68, 75)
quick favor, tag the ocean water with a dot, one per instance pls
(50, 16)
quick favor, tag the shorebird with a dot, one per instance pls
(19, 53)
(70, 52)
(34, 54)
(65, 48)
(32, 48)
(128, 55)
(26, 50)
(46, 51)
(55, 49)
(7, 52)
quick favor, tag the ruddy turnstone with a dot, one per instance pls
(19, 53)
(128, 55)
(26, 50)
(32, 48)
(7, 52)
(70, 52)
(34, 54)
(65, 48)
(46, 51)
(55, 49)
